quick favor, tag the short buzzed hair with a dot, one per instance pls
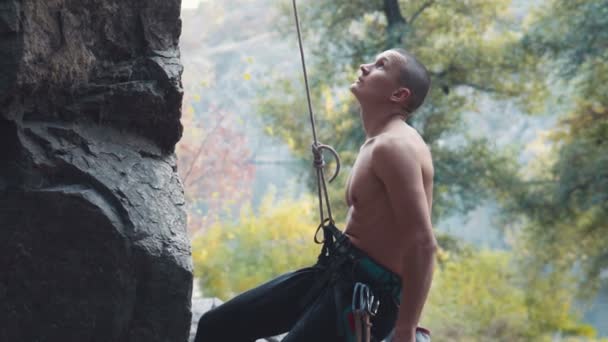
(416, 78)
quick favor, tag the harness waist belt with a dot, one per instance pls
(375, 274)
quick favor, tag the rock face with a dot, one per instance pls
(93, 243)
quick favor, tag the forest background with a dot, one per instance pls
(517, 122)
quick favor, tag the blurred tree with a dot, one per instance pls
(475, 296)
(216, 151)
(213, 159)
(470, 48)
(565, 192)
(479, 296)
(236, 255)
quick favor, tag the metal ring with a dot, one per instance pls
(319, 162)
(366, 299)
(336, 158)
(322, 225)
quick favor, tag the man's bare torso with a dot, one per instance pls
(371, 222)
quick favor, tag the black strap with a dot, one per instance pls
(328, 261)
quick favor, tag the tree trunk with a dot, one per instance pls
(396, 23)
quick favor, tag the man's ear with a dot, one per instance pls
(400, 95)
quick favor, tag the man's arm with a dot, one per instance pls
(395, 163)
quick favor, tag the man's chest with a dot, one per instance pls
(363, 186)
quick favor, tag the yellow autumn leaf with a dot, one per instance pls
(291, 143)
(329, 103)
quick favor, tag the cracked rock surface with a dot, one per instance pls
(93, 241)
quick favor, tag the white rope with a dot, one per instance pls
(317, 148)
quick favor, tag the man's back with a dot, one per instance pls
(372, 223)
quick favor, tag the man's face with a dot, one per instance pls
(380, 79)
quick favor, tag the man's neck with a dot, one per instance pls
(376, 120)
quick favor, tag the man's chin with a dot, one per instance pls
(356, 91)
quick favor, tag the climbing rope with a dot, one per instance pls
(317, 148)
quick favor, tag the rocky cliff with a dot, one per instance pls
(93, 243)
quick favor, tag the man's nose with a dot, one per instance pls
(364, 69)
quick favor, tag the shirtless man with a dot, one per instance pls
(390, 189)
(387, 244)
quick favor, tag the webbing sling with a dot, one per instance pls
(333, 255)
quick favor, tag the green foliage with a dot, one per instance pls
(232, 257)
(572, 31)
(565, 198)
(486, 171)
(559, 200)
(480, 296)
(476, 296)
(469, 47)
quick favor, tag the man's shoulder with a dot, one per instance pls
(389, 148)
(392, 147)
(394, 142)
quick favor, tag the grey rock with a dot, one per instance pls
(9, 17)
(93, 241)
(199, 307)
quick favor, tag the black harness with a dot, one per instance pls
(336, 254)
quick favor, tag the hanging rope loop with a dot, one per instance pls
(317, 148)
(319, 160)
(326, 222)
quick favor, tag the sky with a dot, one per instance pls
(191, 3)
